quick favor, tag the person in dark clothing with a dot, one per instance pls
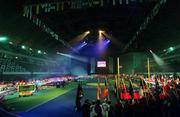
(111, 110)
(118, 109)
(86, 108)
(63, 83)
(98, 109)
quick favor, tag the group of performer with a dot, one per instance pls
(157, 96)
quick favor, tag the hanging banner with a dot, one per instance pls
(37, 9)
(149, 18)
(73, 4)
(127, 1)
(114, 2)
(120, 2)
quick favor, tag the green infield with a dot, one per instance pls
(111, 83)
(94, 84)
(16, 103)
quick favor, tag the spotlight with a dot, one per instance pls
(59, 53)
(3, 39)
(23, 47)
(171, 49)
(87, 32)
(158, 59)
(151, 51)
(11, 43)
(39, 51)
(100, 31)
(74, 57)
(100, 37)
(108, 41)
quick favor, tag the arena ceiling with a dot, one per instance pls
(120, 23)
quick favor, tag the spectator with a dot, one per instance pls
(86, 108)
(98, 109)
(105, 108)
(111, 110)
(92, 110)
(118, 109)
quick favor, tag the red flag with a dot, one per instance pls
(98, 96)
(136, 96)
(124, 95)
(105, 91)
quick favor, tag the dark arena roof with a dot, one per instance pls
(120, 22)
(51, 26)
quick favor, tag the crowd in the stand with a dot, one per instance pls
(162, 100)
(132, 108)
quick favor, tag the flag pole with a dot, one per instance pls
(148, 68)
(118, 67)
(149, 77)
(118, 77)
(107, 89)
(98, 95)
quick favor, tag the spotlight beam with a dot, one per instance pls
(79, 37)
(79, 58)
(114, 40)
(101, 36)
(151, 51)
(157, 59)
(100, 31)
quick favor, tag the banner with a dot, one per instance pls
(46, 29)
(75, 4)
(147, 20)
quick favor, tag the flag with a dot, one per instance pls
(105, 91)
(121, 89)
(163, 93)
(136, 95)
(166, 88)
(131, 92)
(141, 93)
(98, 96)
(124, 94)
(142, 83)
(79, 95)
(157, 86)
(143, 88)
(156, 83)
